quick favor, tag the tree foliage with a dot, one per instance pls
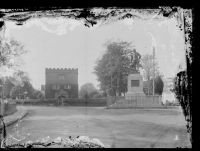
(10, 49)
(7, 85)
(26, 90)
(113, 68)
(183, 91)
(147, 66)
(158, 89)
(159, 85)
(88, 91)
(37, 94)
(19, 86)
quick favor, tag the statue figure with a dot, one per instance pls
(135, 61)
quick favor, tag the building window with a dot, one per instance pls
(67, 86)
(135, 83)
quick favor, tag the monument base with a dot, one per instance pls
(135, 86)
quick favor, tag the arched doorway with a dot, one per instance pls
(60, 96)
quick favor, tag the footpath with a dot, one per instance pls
(13, 118)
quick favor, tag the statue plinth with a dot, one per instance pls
(135, 85)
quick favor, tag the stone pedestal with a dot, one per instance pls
(135, 86)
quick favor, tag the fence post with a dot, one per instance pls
(2, 107)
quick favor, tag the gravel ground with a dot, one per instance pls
(132, 128)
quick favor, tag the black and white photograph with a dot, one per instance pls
(96, 78)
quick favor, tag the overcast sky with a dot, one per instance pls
(59, 43)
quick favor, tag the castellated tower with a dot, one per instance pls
(61, 82)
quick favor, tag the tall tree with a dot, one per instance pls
(113, 68)
(8, 85)
(10, 49)
(21, 91)
(147, 66)
(159, 85)
(22, 84)
(19, 77)
(18, 86)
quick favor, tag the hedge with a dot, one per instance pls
(66, 102)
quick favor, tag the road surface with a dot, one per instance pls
(132, 128)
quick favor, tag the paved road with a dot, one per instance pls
(114, 127)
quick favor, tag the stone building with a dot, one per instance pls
(61, 82)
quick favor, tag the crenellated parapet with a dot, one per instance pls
(74, 70)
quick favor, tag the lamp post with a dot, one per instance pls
(153, 71)
(153, 45)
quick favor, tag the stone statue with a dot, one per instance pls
(135, 62)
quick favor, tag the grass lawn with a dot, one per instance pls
(132, 128)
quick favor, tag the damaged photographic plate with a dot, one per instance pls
(96, 77)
